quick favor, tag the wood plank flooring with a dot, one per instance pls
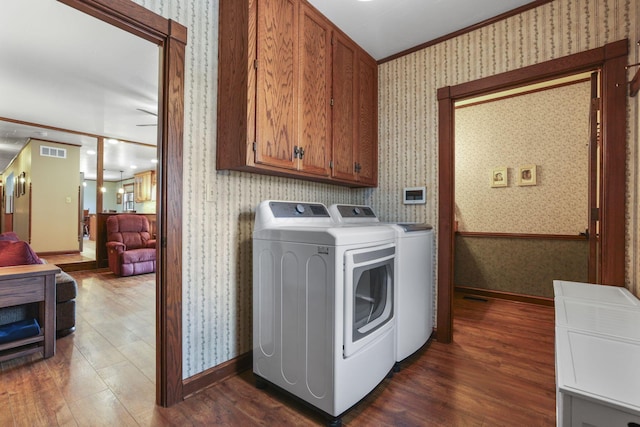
(88, 254)
(498, 372)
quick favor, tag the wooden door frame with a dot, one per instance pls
(171, 37)
(611, 60)
(595, 181)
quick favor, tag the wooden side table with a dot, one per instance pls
(24, 284)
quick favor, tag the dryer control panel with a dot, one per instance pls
(298, 210)
(275, 214)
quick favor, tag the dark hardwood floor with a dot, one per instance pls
(499, 371)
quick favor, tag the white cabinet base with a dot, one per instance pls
(597, 353)
(577, 412)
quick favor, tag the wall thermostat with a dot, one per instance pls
(414, 195)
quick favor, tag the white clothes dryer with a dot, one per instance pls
(323, 305)
(414, 275)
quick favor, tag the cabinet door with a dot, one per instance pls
(277, 69)
(144, 186)
(314, 114)
(367, 120)
(138, 184)
(344, 108)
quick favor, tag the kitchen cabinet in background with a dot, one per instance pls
(144, 186)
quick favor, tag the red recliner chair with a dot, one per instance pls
(130, 248)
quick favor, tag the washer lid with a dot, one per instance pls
(602, 293)
(415, 226)
(601, 367)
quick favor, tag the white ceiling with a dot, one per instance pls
(386, 27)
(65, 70)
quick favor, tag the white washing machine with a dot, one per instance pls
(414, 275)
(323, 305)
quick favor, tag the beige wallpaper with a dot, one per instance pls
(548, 129)
(217, 257)
(408, 126)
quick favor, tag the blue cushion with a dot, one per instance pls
(17, 330)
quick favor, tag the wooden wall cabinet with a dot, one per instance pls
(276, 70)
(355, 113)
(144, 186)
(314, 83)
(275, 93)
(367, 120)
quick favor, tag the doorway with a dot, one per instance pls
(172, 38)
(611, 59)
(522, 189)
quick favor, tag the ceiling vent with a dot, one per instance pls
(59, 153)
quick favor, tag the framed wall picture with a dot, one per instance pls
(499, 177)
(527, 175)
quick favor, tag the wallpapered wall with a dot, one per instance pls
(217, 259)
(408, 118)
(549, 129)
(519, 266)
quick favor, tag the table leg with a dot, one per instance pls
(50, 316)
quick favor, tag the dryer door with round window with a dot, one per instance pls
(369, 293)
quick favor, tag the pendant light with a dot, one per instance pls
(121, 189)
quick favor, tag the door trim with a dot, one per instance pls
(595, 181)
(611, 59)
(171, 37)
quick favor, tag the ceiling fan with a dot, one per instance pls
(148, 112)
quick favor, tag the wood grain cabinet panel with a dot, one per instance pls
(344, 108)
(314, 113)
(367, 120)
(237, 61)
(276, 81)
(355, 113)
(144, 186)
(277, 69)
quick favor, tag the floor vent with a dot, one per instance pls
(59, 153)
